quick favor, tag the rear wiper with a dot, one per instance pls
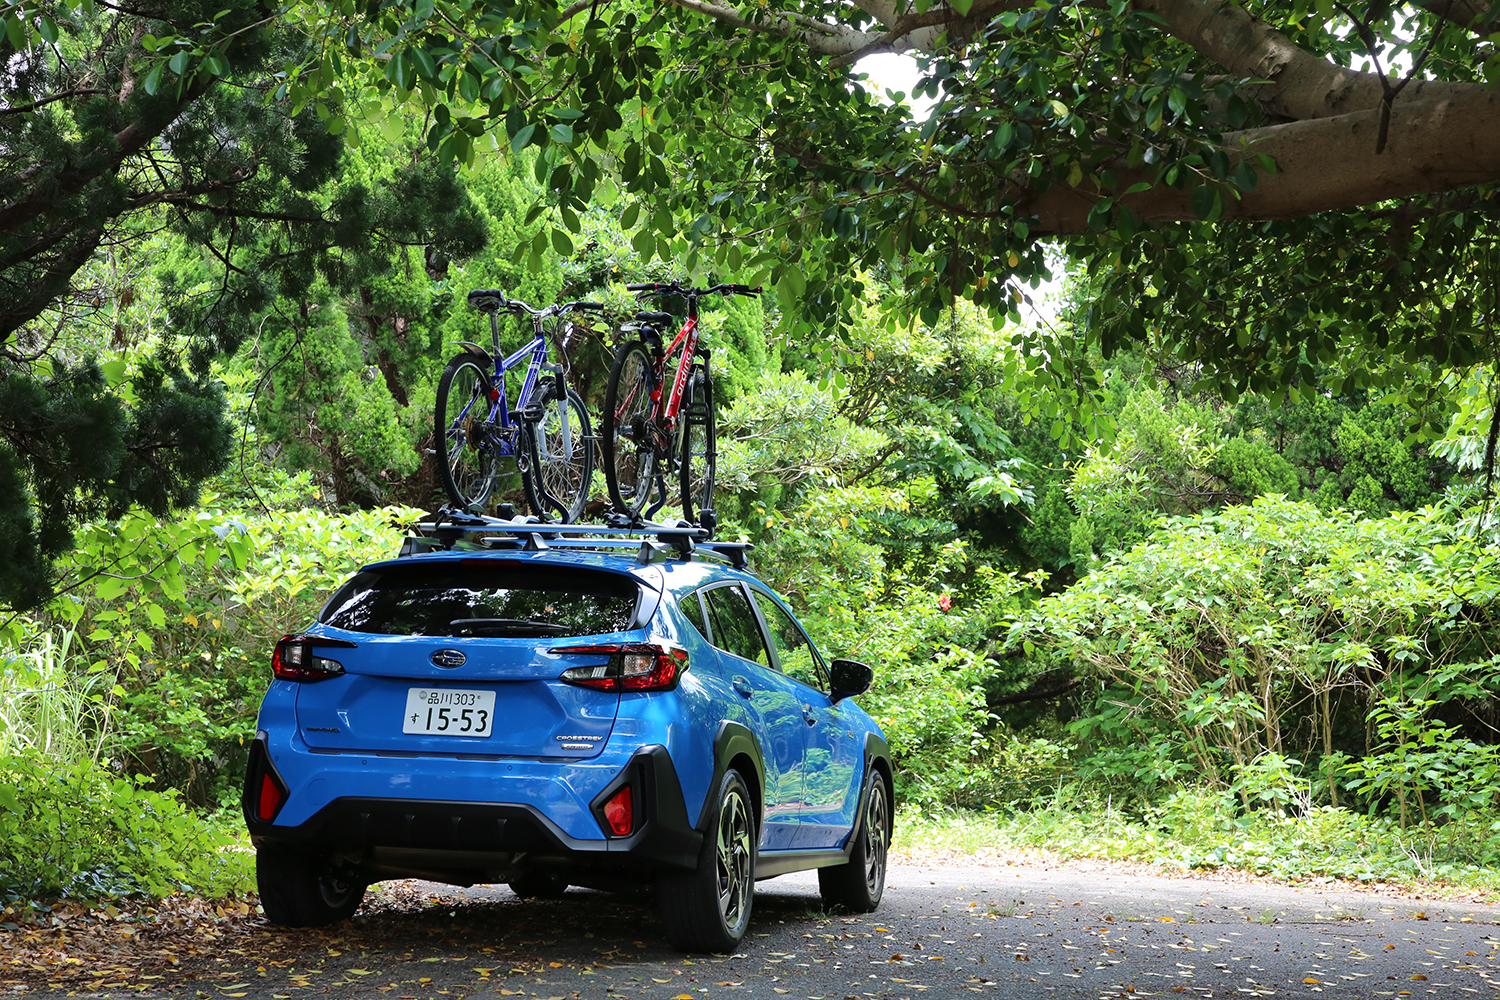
(510, 626)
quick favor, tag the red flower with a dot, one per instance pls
(945, 602)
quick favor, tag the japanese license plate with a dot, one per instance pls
(449, 712)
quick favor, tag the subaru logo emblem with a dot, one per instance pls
(448, 658)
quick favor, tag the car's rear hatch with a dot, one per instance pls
(456, 657)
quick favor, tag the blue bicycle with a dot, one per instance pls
(547, 433)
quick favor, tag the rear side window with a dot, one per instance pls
(483, 598)
(692, 609)
(734, 625)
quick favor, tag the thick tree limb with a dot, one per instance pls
(1323, 165)
(824, 38)
(1303, 85)
(903, 32)
(1472, 14)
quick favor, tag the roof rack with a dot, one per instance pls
(448, 528)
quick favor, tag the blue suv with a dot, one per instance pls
(548, 706)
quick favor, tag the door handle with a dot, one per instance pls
(742, 686)
(812, 720)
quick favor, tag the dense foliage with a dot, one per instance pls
(1206, 558)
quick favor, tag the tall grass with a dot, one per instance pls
(51, 705)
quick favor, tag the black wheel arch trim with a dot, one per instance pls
(732, 740)
(877, 752)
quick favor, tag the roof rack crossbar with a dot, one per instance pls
(448, 527)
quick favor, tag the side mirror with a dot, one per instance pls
(849, 678)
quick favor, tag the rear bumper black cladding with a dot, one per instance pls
(662, 835)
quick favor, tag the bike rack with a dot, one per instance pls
(448, 529)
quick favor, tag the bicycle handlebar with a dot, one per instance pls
(494, 300)
(677, 288)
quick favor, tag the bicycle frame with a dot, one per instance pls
(667, 411)
(499, 412)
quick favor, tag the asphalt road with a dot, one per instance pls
(1008, 931)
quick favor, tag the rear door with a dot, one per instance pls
(455, 657)
(736, 630)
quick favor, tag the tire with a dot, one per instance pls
(629, 453)
(539, 885)
(858, 884)
(465, 454)
(708, 909)
(698, 457)
(299, 889)
(561, 467)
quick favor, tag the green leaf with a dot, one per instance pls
(179, 62)
(795, 281)
(9, 800)
(562, 134)
(110, 587)
(48, 30)
(561, 243)
(522, 138)
(1203, 200)
(153, 78)
(15, 31)
(962, 7)
(630, 215)
(426, 66)
(114, 371)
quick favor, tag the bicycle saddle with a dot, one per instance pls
(487, 299)
(655, 319)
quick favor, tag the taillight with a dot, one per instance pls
(294, 659)
(619, 813)
(271, 798)
(636, 666)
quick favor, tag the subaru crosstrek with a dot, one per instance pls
(547, 710)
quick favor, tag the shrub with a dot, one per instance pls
(75, 830)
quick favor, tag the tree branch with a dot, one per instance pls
(1303, 85)
(1472, 14)
(820, 36)
(22, 109)
(1322, 165)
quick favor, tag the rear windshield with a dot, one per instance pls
(483, 599)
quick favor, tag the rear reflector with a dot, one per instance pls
(636, 666)
(619, 813)
(270, 798)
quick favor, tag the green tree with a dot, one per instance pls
(1252, 191)
(128, 133)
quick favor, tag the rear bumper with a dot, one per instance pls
(444, 831)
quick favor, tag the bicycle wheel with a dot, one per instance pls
(696, 467)
(465, 452)
(562, 457)
(629, 452)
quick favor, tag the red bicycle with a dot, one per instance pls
(649, 433)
